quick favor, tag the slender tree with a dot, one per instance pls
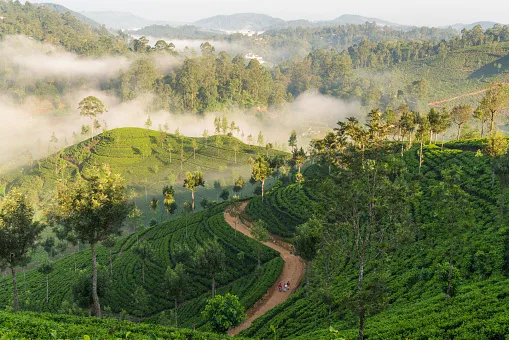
(144, 252)
(91, 107)
(18, 234)
(495, 99)
(261, 171)
(192, 182)
(306, 244)
(260, 233)
(178, 283)
(460, 115)
(92, 210)
(46, 268)
(211, 258)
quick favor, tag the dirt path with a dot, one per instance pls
(440, 102)
(293, 271)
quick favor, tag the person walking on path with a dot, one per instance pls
(286, 287)
(280, 287)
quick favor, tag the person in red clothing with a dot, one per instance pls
(280, 286)
(288, 284)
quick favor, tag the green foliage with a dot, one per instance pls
(224, 312)
(42, 325)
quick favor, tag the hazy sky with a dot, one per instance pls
(410, 12)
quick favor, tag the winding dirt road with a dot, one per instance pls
(293, 271)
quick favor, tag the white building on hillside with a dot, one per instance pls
(251, 56)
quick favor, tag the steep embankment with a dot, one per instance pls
(293, 272)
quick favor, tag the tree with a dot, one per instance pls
(45, 269)
(261, 171)
(224, 312)
(211, 258)
(260, 139)
(260, 233)
(219, 143)
(92, 210)
(206, 136)
(239, 185)
(91, 107)
(170, 205)
(460, 115)
(178, 281)
(18, 234)
(144, 251)
(154, 204)
(148, 123)
(306, 244)
(292, 141)
(195, 147)
(495, 99)
(434, 123)
(452, 212)
(224, 125)
(110, 243)
(235, 211)
(482, 117)
(368, 209)
(495, 147)
(192, 182)
(225, 194)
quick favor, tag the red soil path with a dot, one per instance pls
(293, 271)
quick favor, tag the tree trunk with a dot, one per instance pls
(492, 126)
(176, 317)
(459, 132)
(213, 285)
(95, 296)
(420, 156)
(15, 289)
(263, 189)
(192, 201)
(307, 278)
(360, 303)
(482, 128)
(430, 137)
(443, 138)
(111, 265)
(143, 271)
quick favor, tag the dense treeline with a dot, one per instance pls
(43, 24)
(368, 53)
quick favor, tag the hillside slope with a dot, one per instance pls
(148, 299)
(417, 307)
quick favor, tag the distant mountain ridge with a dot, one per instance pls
(484, 24)
(123, 20)
(62, 9)
(240, 22)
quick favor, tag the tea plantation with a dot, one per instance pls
(127, 293)
(417, 306)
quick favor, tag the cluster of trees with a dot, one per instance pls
(44, 24)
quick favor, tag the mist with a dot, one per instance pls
(29, 125)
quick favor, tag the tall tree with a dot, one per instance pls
(45, 269)
(495, 147)
(368, 207)
(91, 107)
(292, 141)
(110, 243)
(192, 182)
(460, 115)
(260, 233)
(92, 210)
(210, 257)
(452, 210)
(144, 251)
(261, 171)
(178, 282)
(18, 234)
(306, 244)
(495, 99)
